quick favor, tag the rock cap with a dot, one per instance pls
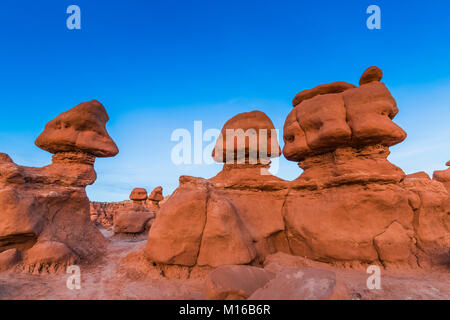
(80, 129)
(138, 194)
(371, 74)
(156, 194)
(247, 136)
(340, 115)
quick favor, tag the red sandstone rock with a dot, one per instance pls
(349, 207)
(370, 111)
(224, 233)
(443, 176)
(349, 165)
(102, 213)
(44, 212)
(131, 221)
(295, 146)
(277, 262)
(81, 129)
(8, 259)
(248, 136)
(138, 194)
(209, 221)
(234, 282)
(303, 284)
(418, 175)
(353, 117)
(430, 202)
(334, 87)
(323, 119)
(156, 194)
(370, 75)
(340, 223)
(176, 234)
(49, 256)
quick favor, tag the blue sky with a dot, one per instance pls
(161, 65)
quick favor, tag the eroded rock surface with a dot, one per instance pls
(303, 284)
(350, 206)
(235, 282)
(44, 212)
(443, 176)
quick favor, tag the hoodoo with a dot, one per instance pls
(443, 176)
(233, 218)
(349, 206)
(44, 212)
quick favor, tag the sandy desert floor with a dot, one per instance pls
(101, 281)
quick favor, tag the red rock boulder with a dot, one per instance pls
(138, 194)
(350, 206)
(248, 137)
(132, 221)
(156, 195)
(443, 176)
(234, 282)
(226, 214)
(303, 284)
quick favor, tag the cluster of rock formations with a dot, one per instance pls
(349, 207)
(138, 216)
(129, 217)
(262, 236)
(44, 212)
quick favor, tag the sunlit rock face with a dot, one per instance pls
(350, 206)
(360, 207)
(44, 212)
(345, 135)
(443, 176)
(232, 218)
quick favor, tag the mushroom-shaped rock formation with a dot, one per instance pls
(248, 137)
(138, 194)
(351, 204)
(156, 195)
(233, 218)
(121, 213)
(246, 143)
(370, 75)
(136, 216)
(350, 207)
(344, 135)
(45, 211)
(82, 129)
(443, 176)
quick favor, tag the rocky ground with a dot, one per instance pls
(102, 281)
